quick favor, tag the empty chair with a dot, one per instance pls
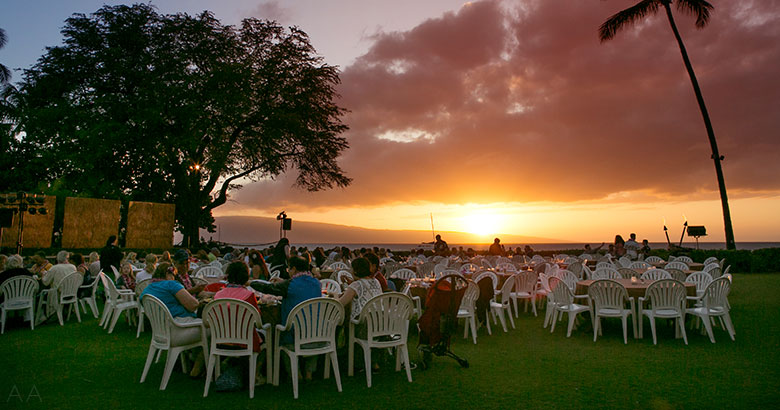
(506, 267)
(210, 271)
(627, 273)
(577, 269)
(606, 273)
(467, 310)
(677, 274)
(404, 274)
(88, 297)
(502, 303)
(486, 264)
(655, 274)
(624, 261)
(677, 265)
(640, 265)
(685, 259)
(525, 288)
(169, 335)
(330, 286)
(568, 277)
(701, 279)
(586, 272)
(68, 289)
(710, 260)
(313, 323)
(386, 320)
(563, 302)
(667, 299)
(116, 302)
(586, 256)
(608, 298)
(605, 265)
(18, 294)
(653, 259)
(714, 303)
(232, 324)
(438, 270)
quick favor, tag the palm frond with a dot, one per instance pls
(697, 8)
(627, 17)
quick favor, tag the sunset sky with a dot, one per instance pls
(511, 117)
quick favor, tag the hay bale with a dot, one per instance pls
(150, 225)
(89, 222)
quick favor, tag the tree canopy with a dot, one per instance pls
(177, 108)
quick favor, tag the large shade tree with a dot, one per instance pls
(140, 105)
(700, 9)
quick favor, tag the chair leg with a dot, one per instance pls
(572, 317)
(209, 373)
(652, 329)
(708, 327)
(78, 315)
(681, 325)
(140, 324)
(114, 320)
(625, 329)
(367, 362)
(2, 321)
(533, 306)
(596, 323)
(335, 363)
(59, 314)
(554, 319)
(148, 364)
(729, 325)
(326, 373)
(404, 350)
(487, 321)
(170, 361)
(473, 323)
(268, 359)
(514, 303)
(351, 352)
(500, 313)
(294, 374)
(511, 319)
(252, 370)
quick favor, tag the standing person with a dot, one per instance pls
(620, 246)
(645, 249)
(440, 247)
(110, 256)
(496, 248)
(528, 251)
(279, 258)
(632, 246)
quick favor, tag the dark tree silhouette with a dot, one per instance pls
(5, 73)
(700, 9)
(145, 106)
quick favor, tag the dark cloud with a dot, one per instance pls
(525, 104)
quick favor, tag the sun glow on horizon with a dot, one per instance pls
(481, 223)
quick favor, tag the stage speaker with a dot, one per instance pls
(6, 218)
(287, 224)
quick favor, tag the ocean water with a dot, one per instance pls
(541, 246)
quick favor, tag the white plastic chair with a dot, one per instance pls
(714, 303)
(469, 268)
(68, 295)
(624, 261)
(655, 274)
(710, 260)
(467, 310)
(330, 285)
(407, 290)
(606, 273)
(563, 302)
(685, 259)
(343, 277)
(139, 289)
(608, 298)
(677, 265)
(525, 288)
(336, 266)
(386, 318)
(234, 322)
(210, 271)
(639, 265)
(18, 294)
(667, 298)
(404, 274)
(654, 259)
(568, 277)
(701, 279)
(605, 265)
(492, 277)
(169, 335)
(313, 323)
(116, 302)
(90, 300)
(504, 306)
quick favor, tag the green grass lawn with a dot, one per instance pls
(81, 366)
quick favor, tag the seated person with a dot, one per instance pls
(14, 266)
(126, 278)
(181, 261)
(359, 292)
(376, 273)
(148, 272)
(59, 271)
(40, 264)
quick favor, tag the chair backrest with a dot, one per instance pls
(571, 260)
(160, 318)
(525, 281)
(330, 285)
(666, 294)
(607, 293)
(469, 268)
(710, 260)
(315, 320)
(69, 286)
(470, 297)
(115, 272)
(654, 259)
(586, 256)
(404, 274)
(231, 321)
(575, 267)
(425, 269)
(506, 267)
(387, 314)
(486, 263)
(685, 259)
(639, 265)
(489, 274)
(677, 265)
(710, 266)
(605, 265)
(209, 271)
(506, 290)
(586, 272)
(339, 266)
(677, 274)
(627, 273)
(716, 294)
(342, 277)
(624, 261)
(140, 286)
(561, 293)
(655, 274)
(275, 274)
(701, 279)
(108, 284)
(606, 273)
(19, 288)
(438, 269)
(569, 278)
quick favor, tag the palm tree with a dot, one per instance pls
(701, 10)
(5, 73)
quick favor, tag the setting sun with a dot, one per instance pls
(482, 223)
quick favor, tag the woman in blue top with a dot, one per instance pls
(165, 287)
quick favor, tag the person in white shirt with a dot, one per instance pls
(632, 247)
(148, 271)
(52, 278)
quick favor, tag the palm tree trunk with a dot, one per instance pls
(730, 244)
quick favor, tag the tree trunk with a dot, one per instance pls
(716, 157)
